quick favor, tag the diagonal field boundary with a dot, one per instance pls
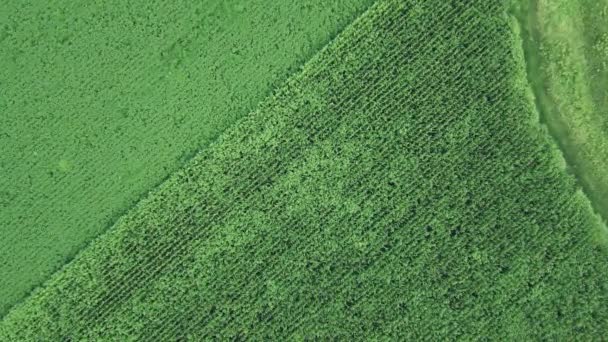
(397, 187)
(102, 102)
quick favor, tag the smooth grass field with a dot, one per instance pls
(391, 189)
(567, 49)
(100, 102)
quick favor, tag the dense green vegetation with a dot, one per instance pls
(101, 101)
(567, 50)
(399, 186)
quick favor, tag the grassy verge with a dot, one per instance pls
(100, 102)
(398, 187)
(566, 45)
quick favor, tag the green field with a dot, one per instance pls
(100, 102)
(402, 185)
(567, 46)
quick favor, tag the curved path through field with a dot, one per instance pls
(566, 48)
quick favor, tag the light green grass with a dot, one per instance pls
(101, 101)
(399, 187)
(567, 49)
